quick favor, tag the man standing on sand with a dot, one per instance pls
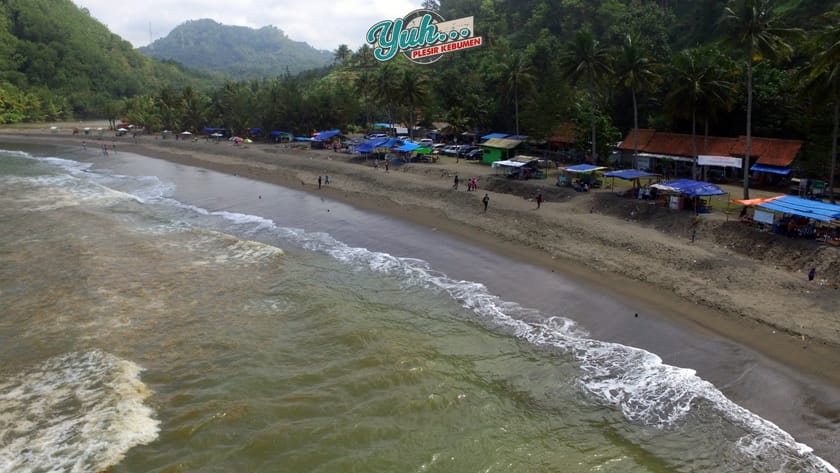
(539, 199)
(812, 273)
(319, 182)
(455, 186)
(485, 200)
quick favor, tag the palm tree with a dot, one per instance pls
(750, 24)
(517, 76)
(718, 88)
(364, 82)
(684, 96)
(637, 72)
(824, 77)
(585, 59)
(414, 89)
(386, 85)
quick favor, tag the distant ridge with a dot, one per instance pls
(237, 51)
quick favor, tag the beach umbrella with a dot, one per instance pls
(186, 133)
(216, 135)
(249, 140)
(122, 129)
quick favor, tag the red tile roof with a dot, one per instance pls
(770, 151)
(564, 134)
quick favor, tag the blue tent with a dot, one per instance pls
(690, 188)
(812, 209)
(280, 133)
(370, 145)
(407, 147)
(325, 135)
(494, 135)
(628, 174)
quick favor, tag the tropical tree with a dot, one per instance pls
(364, 82)
(386, 84)
(636, 71)
(517, 77)
(750, 24)
(414, 89)
(684, 96)
(196, 107)
(584, 59)
(342, 54)
(824, 78)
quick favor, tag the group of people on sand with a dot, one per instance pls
(472, 183)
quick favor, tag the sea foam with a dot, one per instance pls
(76, 412)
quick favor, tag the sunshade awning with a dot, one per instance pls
(690, 188)
(628, 174)
(407, 147)
(325, 135)
(494, 135)
(508, 163)
(812, 209)
(770, 169)
(582, 168)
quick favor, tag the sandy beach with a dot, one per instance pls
(733, 280)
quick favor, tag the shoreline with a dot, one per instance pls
(403, 191)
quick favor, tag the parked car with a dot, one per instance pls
(462, 152)
(476, 153)
(426, 142)
(450, 150)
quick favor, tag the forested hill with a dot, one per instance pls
(57, 62)
(237, 51)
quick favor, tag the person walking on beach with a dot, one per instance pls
(386, 164)
(485, 201)
(539, 199)
(327, 180)
(812, 273)
(455, 186)
(319, 182)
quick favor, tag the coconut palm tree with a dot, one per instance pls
(517, 77)
(637, 72)
(584, 59)
(750, 24)
(685, 94)
(414, 89)
(824, 78)
(386, 84)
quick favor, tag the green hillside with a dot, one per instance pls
(57, 62)
(236, 51)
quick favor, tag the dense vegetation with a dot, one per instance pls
(237, 51)
(56, 62)
(766, 68)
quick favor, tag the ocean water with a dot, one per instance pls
(160, 318)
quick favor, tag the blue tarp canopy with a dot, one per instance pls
(584, 168)
(770, 169)
(256, 131)
(382, 125)
(407, 147)
(812, 209)
(302, 138)
(517, 137)
(208, 129)
(325, 135)
(370, 145)
(280, 133)
(494, 135)
(628, 174)
(690, 188)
